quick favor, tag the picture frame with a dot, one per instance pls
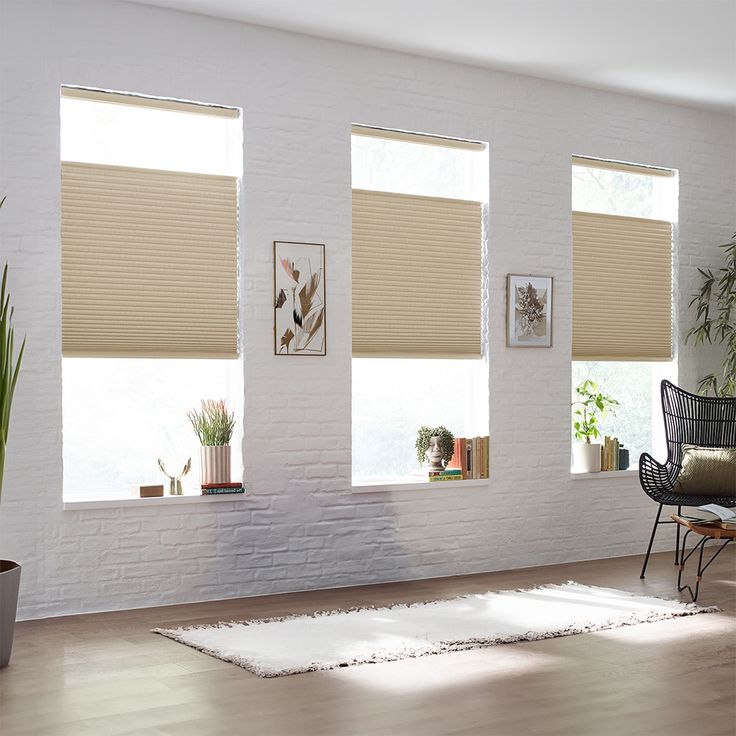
(300, 310)
(529, 311)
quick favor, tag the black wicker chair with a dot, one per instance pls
(692, 420)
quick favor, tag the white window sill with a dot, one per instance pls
(111, 503)
(419, 485)
(631, 473)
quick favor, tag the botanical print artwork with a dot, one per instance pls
(529, 311)
(299, 299)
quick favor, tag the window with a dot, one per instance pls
(418, 282)
(149, 285)
(623, 216)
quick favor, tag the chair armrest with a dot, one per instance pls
(656, 478)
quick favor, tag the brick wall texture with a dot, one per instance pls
(301, 526)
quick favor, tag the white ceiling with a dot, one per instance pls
(677, 50)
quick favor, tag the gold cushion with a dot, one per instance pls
(707, 471)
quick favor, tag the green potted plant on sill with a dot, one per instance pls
(718, 324)
(435, 445)
(214, 426)
(10, 363)
(589, 409)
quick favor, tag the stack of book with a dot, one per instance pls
(471, 457)
(216, 489)
(609, 453)
(713, 515)
(447, 474)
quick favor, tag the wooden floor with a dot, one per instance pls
(105, 674)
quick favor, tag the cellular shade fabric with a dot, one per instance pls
(149, 263)
(622, 288)
(416, 276)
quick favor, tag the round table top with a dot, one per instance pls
(707, 530)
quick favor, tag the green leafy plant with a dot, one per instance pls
(213, 424)
(446, 442)
(589, 409)
(715, 305)
(9, 366)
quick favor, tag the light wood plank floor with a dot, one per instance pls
(105, 674)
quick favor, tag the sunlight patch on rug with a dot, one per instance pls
(330, 639)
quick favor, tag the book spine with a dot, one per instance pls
(221, 491)
(471, 469)
(604, 454)
(616, 447)
(443, 478)
(464, 456)
(481, 469)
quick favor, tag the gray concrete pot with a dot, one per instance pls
(9, 584)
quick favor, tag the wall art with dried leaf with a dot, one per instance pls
(528, 311)
(299, 298)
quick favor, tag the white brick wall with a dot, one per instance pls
(301, 527)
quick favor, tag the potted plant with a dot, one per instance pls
(214, 427)
(9, 370)
(718, 323)
(435, 445)
(589, 408)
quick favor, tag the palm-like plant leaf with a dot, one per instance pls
(714, 306)
(9, 366)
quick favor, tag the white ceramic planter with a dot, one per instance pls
(586, 458)
(215, 464)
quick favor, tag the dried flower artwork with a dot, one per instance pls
(299, 299)
(529, 311)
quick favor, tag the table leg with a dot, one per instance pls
(700, 548)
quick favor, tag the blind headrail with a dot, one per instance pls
(412, 137)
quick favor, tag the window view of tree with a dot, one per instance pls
(623, 193)
(393, 398)
(631, 385)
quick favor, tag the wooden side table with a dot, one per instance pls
(705, 532)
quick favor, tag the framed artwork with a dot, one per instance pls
(299, 316)
(528, 311)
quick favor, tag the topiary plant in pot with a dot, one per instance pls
(715, 307)
(9, 370)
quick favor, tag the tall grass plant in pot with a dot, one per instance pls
(214, 426)
(10, 363)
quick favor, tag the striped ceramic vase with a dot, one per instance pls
(215, 463)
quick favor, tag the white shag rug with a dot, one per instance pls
(331, 639)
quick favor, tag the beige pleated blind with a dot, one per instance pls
(416, 276)
(622, 288)
(149, 263)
